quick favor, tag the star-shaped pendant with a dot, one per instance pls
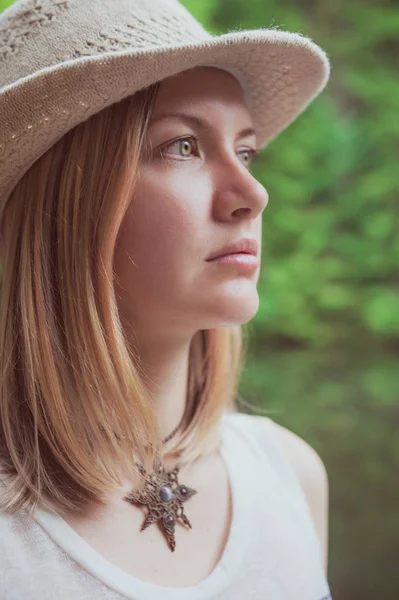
(164, 497)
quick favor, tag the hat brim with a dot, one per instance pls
(280, 72)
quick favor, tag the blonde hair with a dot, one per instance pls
(74, 410)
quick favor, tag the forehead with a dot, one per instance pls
(205, 90)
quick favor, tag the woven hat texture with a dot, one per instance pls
(61, 61)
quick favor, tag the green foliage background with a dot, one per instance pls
(325, 342)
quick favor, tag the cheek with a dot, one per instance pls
(163, 227)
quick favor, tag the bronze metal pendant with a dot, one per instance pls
(164, 497)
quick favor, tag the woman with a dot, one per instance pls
(128, 134)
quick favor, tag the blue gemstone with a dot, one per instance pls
(166, 493)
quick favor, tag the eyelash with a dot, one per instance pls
(252, 153)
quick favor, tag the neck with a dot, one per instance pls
(166, 373)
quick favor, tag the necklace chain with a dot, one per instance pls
(173, 432)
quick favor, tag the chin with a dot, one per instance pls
(237, 312)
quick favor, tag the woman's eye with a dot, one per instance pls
(250, 156)
(183, 144)
(185, 148)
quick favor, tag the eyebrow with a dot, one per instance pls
(199, 122)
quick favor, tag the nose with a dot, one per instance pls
(238, 194)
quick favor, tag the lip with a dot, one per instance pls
(243, 246)
(240, 260)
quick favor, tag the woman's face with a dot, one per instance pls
(193, 197)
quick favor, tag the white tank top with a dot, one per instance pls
(272, 551)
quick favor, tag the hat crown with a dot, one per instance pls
(35, 34)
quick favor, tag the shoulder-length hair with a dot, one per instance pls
(74, 411)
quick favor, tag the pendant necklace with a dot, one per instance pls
(163, 496)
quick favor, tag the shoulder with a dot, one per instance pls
(310, 472)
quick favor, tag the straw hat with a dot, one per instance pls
(62, 61)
